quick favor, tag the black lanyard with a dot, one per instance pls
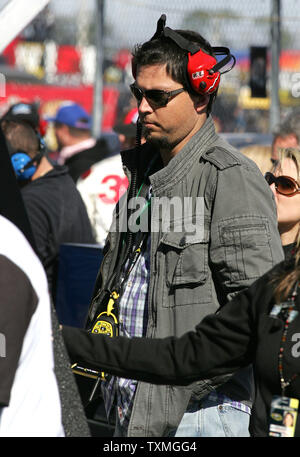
(130, 262)
(126, 265)
(130, 258)
(129, 252)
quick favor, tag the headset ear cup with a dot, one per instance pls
(202, 78)
(19, 161)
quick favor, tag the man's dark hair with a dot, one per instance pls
(164, 50)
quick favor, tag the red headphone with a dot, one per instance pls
(203, 70)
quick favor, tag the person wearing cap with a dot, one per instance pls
(22, 112)
(56, 214)
(54, 206)
(126, 129)
(78, 150)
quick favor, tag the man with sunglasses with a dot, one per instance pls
(173, 277)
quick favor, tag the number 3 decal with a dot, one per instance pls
(115, 187)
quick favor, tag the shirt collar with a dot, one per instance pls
(69, 151)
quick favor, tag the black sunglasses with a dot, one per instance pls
(284, 185)
(157, 98)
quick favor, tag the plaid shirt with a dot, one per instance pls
(133, 320)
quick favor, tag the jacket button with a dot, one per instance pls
(220, 407)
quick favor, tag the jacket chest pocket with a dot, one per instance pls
(186, 270)
(246, 247)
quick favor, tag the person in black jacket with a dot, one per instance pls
(77, 148)
(54, 206)
(260, 325)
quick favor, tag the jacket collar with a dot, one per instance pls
(69, 151)
(179, 165)
(186, 158)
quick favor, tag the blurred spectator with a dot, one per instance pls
(293, 121)
(284, 137)
(77, 148)
(106, 182)
(29, 396)
(72, 413)
(260, 154)
(41, 28)
(55, 209)
(126, 129)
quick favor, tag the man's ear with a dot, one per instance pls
(201, 102)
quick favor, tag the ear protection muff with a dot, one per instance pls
(25, 166)
(203, 71)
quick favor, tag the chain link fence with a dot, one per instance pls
(58, 49)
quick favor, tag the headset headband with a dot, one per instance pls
(36, 158)
(161, 23)
(192, 48)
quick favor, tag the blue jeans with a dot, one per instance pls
(210, 418)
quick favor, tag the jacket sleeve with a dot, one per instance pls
(245, 241)
(36, 209)
(222, 343)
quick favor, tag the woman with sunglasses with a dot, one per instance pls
(284, 183)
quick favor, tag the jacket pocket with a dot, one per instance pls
(186, 269)
(246, 245)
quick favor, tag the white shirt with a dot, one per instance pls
(31, 402)
(69, 151)
(100, 190)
